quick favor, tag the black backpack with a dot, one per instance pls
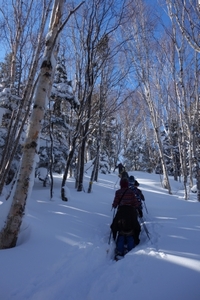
(126, 216)
(125, 221)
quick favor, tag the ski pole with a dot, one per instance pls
(110, 237)
(111, 229)
(145, 228)
(116, 182)
(145, 207)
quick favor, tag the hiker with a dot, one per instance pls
(124, 174)
(120, 168)
(133, 185)
(125, 226)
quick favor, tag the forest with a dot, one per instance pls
(103, 80)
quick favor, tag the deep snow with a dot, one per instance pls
(63, 251)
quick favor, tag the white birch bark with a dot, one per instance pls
(142, 51)
(187, 15)
(14, 134)
(9, 234)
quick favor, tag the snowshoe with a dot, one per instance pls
(118, 257)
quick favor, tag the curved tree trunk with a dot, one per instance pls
(9, 234)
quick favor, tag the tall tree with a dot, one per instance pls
(9, 234)
(187, 15)
(186, 83)
(142, 47)
(91, 44)
(21, 40)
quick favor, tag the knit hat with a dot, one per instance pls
(132, 179)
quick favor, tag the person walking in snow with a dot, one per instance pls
(120, 168)
(133, 185)
(124, 175)
(125, 226)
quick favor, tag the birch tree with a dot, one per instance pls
(163, 81)
(187, 20)
(99, 20)
(9, 233)
(186, 84)
(187, 15)
(141, 48)
(19, 41)
(94, 41)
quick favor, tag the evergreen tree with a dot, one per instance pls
(133, 154)
(57, 127)
(9, 103)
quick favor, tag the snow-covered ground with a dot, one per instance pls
(63, 251)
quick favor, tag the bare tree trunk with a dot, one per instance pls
(81, 169)
(69, 160)
(185, 29)
(165, 181)
(92, 51)
(14, 134)
(96, 162)
(23, 188)
(198, 183)
(142, 50)
(93, 172)
(187, 15)
(51, 160)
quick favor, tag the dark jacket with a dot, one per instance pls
(120, 168)
(124, 174)
(125, 221)
(138, 193)
(125, 196)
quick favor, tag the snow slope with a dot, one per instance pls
(63, 251)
